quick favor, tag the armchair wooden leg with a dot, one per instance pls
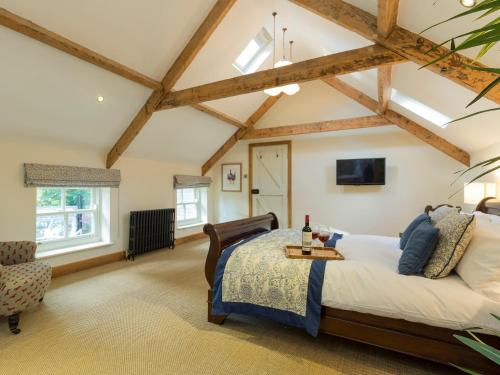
(13, 323)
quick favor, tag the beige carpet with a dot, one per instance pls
(149, 317)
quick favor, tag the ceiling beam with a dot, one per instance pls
(412, 46)
(338, 63)
(402, 121)
(32, 30)
(387, 11)
(384, 87)
(386, 21)
(37, 32)
(317, 127)
(198, 40)
(217, 114)
(249, 124)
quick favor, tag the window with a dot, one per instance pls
(67, 217)
(255, 53)
(420, 109)
(191, 206)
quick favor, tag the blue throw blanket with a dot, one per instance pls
(255, 277)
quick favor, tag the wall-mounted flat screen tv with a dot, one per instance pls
(361, 171)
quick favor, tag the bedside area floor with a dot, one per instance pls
(149, 317)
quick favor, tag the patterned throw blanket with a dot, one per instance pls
(255, 277)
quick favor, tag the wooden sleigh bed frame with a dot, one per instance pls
(432, 343)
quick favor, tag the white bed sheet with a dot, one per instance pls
(367, 281)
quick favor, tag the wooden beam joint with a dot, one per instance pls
(339, 63)
(412, 46)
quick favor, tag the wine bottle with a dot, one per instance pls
(306, 237)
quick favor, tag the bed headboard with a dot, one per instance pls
(490, 206)
(428, 209)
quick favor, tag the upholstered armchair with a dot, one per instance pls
(23, 281)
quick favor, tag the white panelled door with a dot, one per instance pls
(270, 181)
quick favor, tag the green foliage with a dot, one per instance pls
(76, 197)
(72, 197)
(49, 197)
(485, 37)
(493, 354)
(482, 164)
(484, 349)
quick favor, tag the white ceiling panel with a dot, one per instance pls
(49, 95)
(180, 134)
(316, 101)
(145, 35)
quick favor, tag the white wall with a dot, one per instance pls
(417, 175)
(145, 185)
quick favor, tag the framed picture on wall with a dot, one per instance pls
(231, 177)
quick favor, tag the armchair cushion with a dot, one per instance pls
(24, 285)
(16, 252)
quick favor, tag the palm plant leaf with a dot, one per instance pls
(478, 39)
(484, 174)
(486, 350)
(476, 178)
(494, 25)
(482, 164)
(486, 5)
(484, 50)
(467, 371)
(495, 316)
(473, 114)
(490, 11)
(484, 91)
(489, 26)
(484, 68)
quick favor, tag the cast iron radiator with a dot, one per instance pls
(151, 230)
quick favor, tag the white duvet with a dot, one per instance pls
(367, 281)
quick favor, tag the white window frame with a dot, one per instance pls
(201, 195)
(83, 239)
(264, 42)
(420, 109)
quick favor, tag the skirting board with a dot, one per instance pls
(110, 258)
(192, 237)
(87, 263)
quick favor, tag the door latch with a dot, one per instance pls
(255, 191)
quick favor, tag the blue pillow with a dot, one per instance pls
(418, 249)
(405, 236)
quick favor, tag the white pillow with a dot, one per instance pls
(480, 265)
(495, 219)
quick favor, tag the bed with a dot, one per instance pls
(413, 316)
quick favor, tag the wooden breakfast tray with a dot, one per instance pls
(317, 252)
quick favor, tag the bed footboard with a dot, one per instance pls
(226, 234)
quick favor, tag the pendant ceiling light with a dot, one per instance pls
(288, 89)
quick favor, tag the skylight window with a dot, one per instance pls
(255, 53)
(420, 109)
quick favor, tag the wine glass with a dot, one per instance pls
(324, 234)
(315, 232)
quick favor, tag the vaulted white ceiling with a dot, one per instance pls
(48, 95)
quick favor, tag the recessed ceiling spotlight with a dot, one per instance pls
(468, 3)
(100, 99)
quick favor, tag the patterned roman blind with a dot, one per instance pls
(41, 175)
(183, 181)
